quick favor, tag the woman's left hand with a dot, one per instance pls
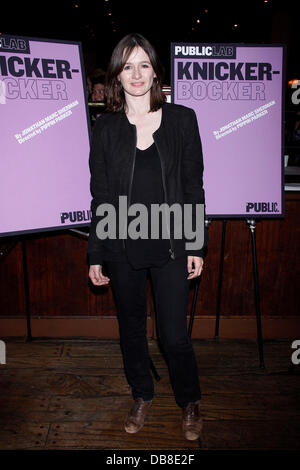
(198, 266)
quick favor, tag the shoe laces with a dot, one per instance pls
(191, 410)
(138, 406)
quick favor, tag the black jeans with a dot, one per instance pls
(171, 290)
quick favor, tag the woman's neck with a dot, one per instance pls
(137, 105)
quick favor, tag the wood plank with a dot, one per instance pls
(260, 434)
(111, 435)
(78, 394)
(23, 435)
(106, 382)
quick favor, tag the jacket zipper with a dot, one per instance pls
(131, 178)
(165, 191)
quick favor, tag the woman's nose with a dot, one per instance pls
(136, 72)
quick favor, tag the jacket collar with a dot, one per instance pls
(163, 118)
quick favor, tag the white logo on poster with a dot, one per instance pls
(2, 92)
(2, 353)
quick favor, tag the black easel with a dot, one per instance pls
(3, 254)
(26, 289)
(252, 226)
(196, 282)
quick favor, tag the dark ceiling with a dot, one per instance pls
(100, 24)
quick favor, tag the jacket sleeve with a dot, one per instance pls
(192, 173)
(99, 191)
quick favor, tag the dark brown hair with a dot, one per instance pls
(115, 97)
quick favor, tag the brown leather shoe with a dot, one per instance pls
(191, 422)
(136, 415)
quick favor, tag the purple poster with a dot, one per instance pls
(44, 136)
(237, 94)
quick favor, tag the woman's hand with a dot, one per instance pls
(198, 266)
(96, 275)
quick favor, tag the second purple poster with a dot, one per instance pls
(236, 92)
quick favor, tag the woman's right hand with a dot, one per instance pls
(96, 275)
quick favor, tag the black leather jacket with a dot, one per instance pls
(111, 161)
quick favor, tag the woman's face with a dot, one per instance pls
(137, 74)
(98, 92)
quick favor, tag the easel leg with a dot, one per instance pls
(220, 279)
(196, 282)
(252, 226)
(26, 287)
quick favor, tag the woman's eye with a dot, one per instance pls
(128, 67)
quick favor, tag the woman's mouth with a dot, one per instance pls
(137, 84)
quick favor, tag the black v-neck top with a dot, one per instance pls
(147, 188)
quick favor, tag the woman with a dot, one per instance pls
(150, 151)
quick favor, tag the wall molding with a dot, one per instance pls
(107, 327)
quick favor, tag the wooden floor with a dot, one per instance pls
(73, 394)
